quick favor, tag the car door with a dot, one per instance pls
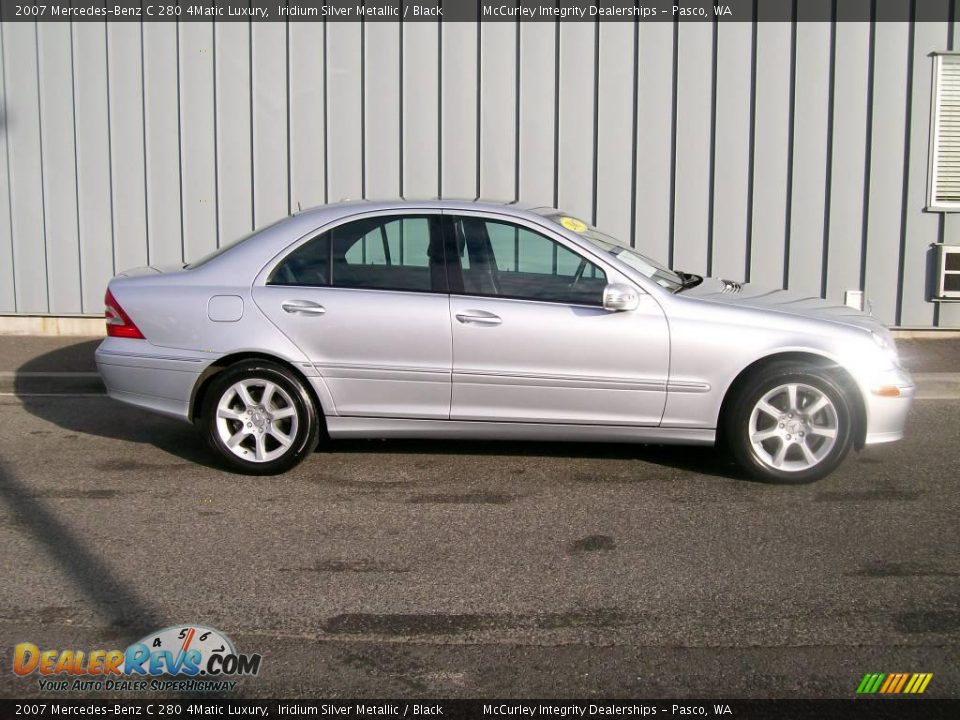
(531, 340)
(367, 302)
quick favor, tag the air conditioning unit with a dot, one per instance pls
(948, 272)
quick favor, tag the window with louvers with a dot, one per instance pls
(944, 181)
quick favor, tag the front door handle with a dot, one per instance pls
(478, 317)
(303, 307)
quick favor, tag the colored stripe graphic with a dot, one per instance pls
(918, 683)
(903, 680)
(870, 683)
(894, 683)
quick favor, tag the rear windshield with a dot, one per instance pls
(230, 246)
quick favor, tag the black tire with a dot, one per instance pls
(737, 431)
(304, 429)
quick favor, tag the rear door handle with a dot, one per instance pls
(303, 307)
(478, 317)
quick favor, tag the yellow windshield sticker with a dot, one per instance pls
(573, 224)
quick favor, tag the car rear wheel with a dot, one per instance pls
(791, 423)
(260, 418)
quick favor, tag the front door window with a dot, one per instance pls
(504, 260)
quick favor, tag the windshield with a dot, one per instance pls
(660, 274)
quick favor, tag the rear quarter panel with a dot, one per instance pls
(172, 311)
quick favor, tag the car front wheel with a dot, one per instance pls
(791, 423)
(260, 418)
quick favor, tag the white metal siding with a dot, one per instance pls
(784, 153)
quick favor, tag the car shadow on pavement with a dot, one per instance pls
(114, 420)
(63, 400)
(696, 459)
(124, 610)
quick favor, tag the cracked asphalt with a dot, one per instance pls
(454, 569)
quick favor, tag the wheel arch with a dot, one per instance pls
(215, 368)
(847, 382)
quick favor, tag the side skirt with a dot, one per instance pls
(361, 427)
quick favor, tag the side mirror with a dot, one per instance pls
(618, 297)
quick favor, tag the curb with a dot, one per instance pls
(52, 326)
(937, 386)
(38, 384)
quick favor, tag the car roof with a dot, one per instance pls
(270, 240)
(374, 205)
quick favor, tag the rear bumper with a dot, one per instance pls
(157, 379)
(887, 416)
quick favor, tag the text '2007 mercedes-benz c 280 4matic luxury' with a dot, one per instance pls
(447, 319)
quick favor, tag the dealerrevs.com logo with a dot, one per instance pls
(178, 658)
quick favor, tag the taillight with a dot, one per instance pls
(119, 323)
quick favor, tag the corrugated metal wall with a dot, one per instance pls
(787, 154)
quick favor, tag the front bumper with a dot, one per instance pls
(886, 414)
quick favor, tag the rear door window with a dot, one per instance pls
(396, 252)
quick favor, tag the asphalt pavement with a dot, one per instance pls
(456, 569)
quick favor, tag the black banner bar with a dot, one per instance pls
(477, 10)
(858, 709)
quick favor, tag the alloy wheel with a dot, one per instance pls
(257, 420)
(793, 427)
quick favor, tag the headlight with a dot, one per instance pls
(866, 360)
(887, 346)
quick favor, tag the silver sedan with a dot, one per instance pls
(447, 319)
